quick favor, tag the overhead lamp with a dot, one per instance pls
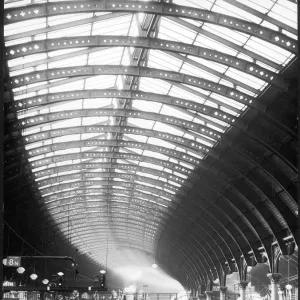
(33, 276)
(60, 273)
(45, 281)
(21, 270)
(102, 271)
(288, 287)
(154, 266)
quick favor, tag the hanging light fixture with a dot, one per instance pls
(60, 273)
(45, 281)
(21, 270)
(154, 266)
(33, 276)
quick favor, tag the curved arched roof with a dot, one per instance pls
(156, 126)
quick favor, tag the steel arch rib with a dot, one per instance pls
(261, 232)
(88, 70)
(134, 130)
(126, 187)
(89, 200)
(163, 9)
(91, 174)
(127, 211)
(91, 227)
(82, 192)
(92, 165)
(35, 47)
(149, 222)
(213, 246)
(208, 217)
(225, 162)
(46, 149)
(84, 235)
(231, 226)
(206, 257)
(53, 98)
(145, 206)
(134, 235)
(186, 104)
(194, 268)
(170, 100)
(206, 227)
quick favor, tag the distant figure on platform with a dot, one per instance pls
(239, 297)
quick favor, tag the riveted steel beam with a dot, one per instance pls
(171, 138)
(141, 158)
(138, 237)
(191, 146)
(206, 228)
(204, 265)
(124, 246)
(252, 55)
(246, 210)
(141, 224)
(221, 75)
(246, 189)
(58, 206)
(227, 213)
(92, 220)
(155, 210)
(96, 235)
(120, 243)
(32, 104)
(95, 202)
(221, 235)
(197, 93)
(206, 257)
(90, 237)
(204, 236)
(48, 85)
(209, 252)
(263, 16)
(189, 126)
(51, 74)
(233, 237)
(232, 163)
(185, 184)
(143, 181)
(90, 233)
(127, 186)
(165, 9)
(212, 246)
(199, 232)
(179, 255)
(76, 23)
(105, 143)
(102, 191)
(254, 69)
(78, 216)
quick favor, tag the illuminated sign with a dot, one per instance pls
(12, 261)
